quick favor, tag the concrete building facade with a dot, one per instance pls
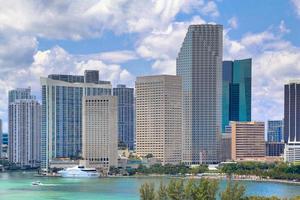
(25, 132)
(247, 140)
(100, 131)
(199, 63)
(158, 117)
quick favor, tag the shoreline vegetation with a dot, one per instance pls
(203, 189)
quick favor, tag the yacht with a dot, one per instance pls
(79, 172)
(36, 183)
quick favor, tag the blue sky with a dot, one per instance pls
(128, 38)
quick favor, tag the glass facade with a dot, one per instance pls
(62, 115)
(292, 113)
(199, 63)
(236, 104)
(126, 114)
(275, 131)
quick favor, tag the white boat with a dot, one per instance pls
(36, 183)
(79, 172)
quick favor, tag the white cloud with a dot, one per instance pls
(233, 22)
(282, 27)
(163, 47)
(296, 3)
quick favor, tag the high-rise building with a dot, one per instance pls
(199, 63)
(1, 138)
(100, 131)
(158, 117)
(19, 93)
(25, 132)
(292, 121)
(126, 115)
(275, 131)
(247, 140)
(236, 98)
(274, 148)
(62, 114)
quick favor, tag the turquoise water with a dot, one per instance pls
(17, 185)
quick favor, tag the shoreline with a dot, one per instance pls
(218, 176)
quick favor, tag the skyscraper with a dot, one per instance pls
(125, 115)
(199, 63)
(292, 121)
(236, 98)
(100, 131)
(158, 117)
(275, 131)
(62, 114)
(25, 132)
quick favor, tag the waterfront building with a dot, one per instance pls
(274, 148)
(19, 93)
(158, 117)
(275, 131)
(292, 121)
(236, 94)
(4, 145)
(247, 140)
(125, 115)
(25, 132)
(199, 63)
(62, 113)
(100, 131)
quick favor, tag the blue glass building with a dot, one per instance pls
(62, 113)
(275, 131)
(126, 114)
(236, 97)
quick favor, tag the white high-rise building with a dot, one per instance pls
(199, 63)
(158, 117)
(62, 113)
(25, 132)
(100, 131)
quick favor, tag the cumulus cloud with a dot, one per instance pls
(233, 22)
(296, 4)
(163, 47)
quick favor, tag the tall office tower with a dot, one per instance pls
(126, 114)
(62, 114)
(292, 121)
(199, 63)
(1, 138)
(25, 132)
(100, 131)
(236, 98)
(248, 140)
(275, 131)
(158, 117)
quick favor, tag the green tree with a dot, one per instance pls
(233, 192)
(147, 192)
(175, 190)
(162, 193)
(207, 189)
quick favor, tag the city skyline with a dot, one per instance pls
(127, 46)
